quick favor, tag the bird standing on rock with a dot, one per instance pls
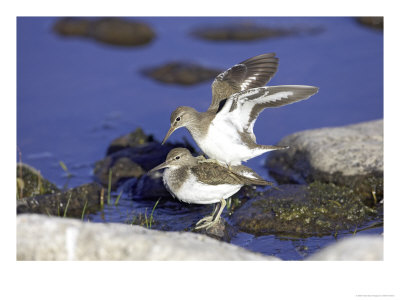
(192, 181)
(225, 131)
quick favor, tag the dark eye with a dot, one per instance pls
(178, 119)
(177, 157)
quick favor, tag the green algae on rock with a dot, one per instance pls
(301, 210)
(349, 155)
(72, 203)
(30, 182)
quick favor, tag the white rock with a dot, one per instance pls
(41, 237)
(366, 247)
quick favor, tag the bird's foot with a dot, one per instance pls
(211, 220)
(208, 222)
(204, 220)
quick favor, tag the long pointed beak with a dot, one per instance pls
(170, 131)
(159, 167)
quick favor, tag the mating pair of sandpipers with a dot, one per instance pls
(225, 134)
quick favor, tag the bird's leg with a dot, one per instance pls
(210, 217)
(215, 218)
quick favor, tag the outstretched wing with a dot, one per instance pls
(242, 109)
(253, 72)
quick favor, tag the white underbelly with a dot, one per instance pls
(223, 143)
(192, 191)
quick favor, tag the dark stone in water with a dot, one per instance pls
(222, 231)
(73, 26)
(301, 210)
(130, 157)
(31, 183)
(113, 31)
(181, 73)
(130, 140)
(121, 169)
(148, 186)
(56, 204)
(249, 32)
(372, 22)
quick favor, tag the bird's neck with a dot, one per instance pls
(175, 177)
(198, 127)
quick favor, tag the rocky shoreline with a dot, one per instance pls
(329, 181)
(50, 238)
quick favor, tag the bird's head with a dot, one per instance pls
(175, 158)
(180, 117)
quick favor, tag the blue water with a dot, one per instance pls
(75, 95)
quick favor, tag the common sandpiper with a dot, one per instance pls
(225, 131)
(192, 181)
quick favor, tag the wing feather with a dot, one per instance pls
(242, 109)
(253, 72)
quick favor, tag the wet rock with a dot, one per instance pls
(249, 32)
(30, 182)
(73, 26)
(132, 139)
(72, 201)
(222, 231)
(181, 73)
(301, 210)
(373, 22)
(349, 155)
(120, 169)
(148, 186)
(49, 238)
(113, 31)
(365, 248)
(131, 156)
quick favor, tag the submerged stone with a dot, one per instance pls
(115, 31)
(248, 32)
(301, 210)
(181, 73)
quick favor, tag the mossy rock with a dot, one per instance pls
(83, 199)
(350, 156)
(31, 183)
(301, 210)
